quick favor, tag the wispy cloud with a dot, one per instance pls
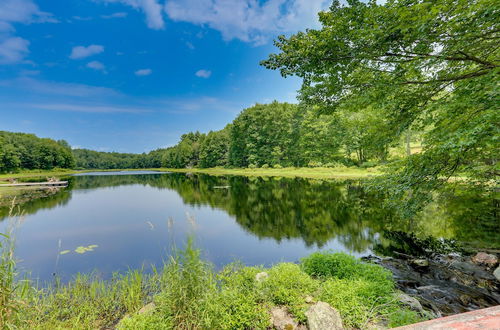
(151, 8)
(14, 49)
(96, 65)
(248, 20)
(45, 87)
(203, 73)
(79, 52)
(143, 72)
(190, 105)
(89, 108)
(115, 15)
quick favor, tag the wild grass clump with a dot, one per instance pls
(363, 293)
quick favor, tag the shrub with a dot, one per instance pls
(289, 285)
(252, 166)
(314, 164)
(265, 166)
(277, 166)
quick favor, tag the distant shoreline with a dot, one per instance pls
(303, 172)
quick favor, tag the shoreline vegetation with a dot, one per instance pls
(189, 294)
(303, 172)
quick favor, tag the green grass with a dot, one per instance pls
(291, 172)
(306, 172)
(189, 294)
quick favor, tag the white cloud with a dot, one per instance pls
(143, 72)
(115, 15)
(151, 8)
(45, 87)
(203, 73)
(89, 108)
(248, 20)
(23, 11)
(13, 50)
(82, 51)
(96, 65)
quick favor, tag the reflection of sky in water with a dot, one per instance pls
(129, 224)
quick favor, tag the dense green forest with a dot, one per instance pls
(284, 135)
(27, 151)
(90, 159)
(265, 135)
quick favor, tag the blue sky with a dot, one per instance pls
(133, 75)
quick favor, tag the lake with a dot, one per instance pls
(109, 222)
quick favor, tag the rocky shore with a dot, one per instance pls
(445, 284)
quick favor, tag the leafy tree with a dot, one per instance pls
(214, 150)
(422, 63)
(27, 151)
(265, 134)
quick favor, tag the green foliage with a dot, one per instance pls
(27, 151)
(214, 150)
(89, 159)
(425, 65)
(288, 285)
(343, 266)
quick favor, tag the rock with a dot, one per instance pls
(309, 300)
(322, 316)
(482, 258)
(281, 320)
(261, 276)
(410, 301)
(149, 308)
(496, 273)
(420, 262)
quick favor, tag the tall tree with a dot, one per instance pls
(421, 63)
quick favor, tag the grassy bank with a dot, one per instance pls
(189, 294)
(289, 172)
(305, 172)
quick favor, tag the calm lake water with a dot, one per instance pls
(133, 220)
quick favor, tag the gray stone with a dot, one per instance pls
(410, 301)
(322, 316)
(496, 273)
(282, 320)
(420, 262)
(261, 276)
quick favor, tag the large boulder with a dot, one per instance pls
(322, 316)
(482, 258)
(410, 301)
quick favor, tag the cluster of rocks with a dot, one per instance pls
(320, 316)
(446, 284)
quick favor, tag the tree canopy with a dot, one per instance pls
(27, 151)
(421, 64)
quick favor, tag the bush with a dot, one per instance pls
(315, 164)
(265, 166)
(289, 285)
(278, 166)
(252, 166)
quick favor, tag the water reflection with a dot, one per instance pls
(138, 219)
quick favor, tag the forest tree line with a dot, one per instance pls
(265, 135)
(287, 135)
(27, 151)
